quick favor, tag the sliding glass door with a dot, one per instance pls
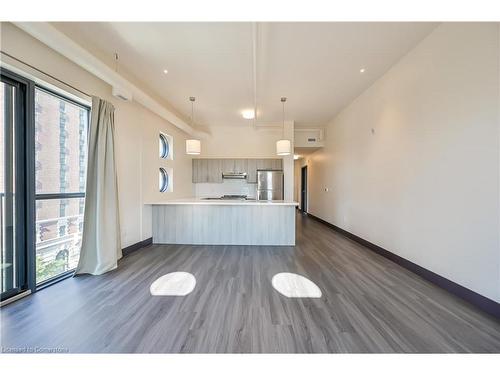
(43, 159)
(60, 163)
(13, 193)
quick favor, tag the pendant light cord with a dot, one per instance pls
(283, 100)
(192, 99)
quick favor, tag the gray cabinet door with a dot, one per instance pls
(196, 164)
(240, 166)
(277, 164)
(252, 171)
(261, 164)
(214, 173)
(264, 164)
(203, 170)
(228, 165)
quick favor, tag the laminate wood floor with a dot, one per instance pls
(369, 304)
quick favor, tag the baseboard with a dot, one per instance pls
(139, 245)
(487, 305)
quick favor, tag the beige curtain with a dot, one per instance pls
(101, 246)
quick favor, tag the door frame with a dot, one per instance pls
(303, 189)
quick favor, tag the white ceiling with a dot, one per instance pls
(315, 65)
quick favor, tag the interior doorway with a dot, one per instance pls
(303, 189)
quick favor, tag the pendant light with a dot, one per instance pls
(193, 146)
(283, 146)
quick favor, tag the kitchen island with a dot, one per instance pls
(224, 222)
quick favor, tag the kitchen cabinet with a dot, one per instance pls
(234, 165)
(252, 171)
(265, 164)
(211, 170)
(196, 165)
(202, 170)
(255, 164)
(227, 165)
(261, 164)
(214, 173)
(277, 164)
(207, 170)
(240, 166)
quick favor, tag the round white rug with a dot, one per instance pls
(292, 285)
(173, 284)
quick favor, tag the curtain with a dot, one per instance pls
(101, 248)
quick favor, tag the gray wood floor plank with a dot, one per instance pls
(369, 304)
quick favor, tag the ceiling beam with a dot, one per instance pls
(61, 43)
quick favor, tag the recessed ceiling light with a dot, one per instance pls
(362, 70)
(165, 71)
(248, 114)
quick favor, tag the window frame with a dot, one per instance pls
(165, 180)
(24, 170)
(165, 154)
(50, 196)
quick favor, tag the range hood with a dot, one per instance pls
(234, 175)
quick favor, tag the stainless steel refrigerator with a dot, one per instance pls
(269, 185)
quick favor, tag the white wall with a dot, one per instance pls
(250, 142)
(240, 142)
(425, 185)
(136, 136)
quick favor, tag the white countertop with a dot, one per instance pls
(223, 202)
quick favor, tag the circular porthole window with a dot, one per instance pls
(163, 180)
(164, 146)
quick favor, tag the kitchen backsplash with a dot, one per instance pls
(239, 187)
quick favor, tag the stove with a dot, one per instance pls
(233, 196)
(230, 197)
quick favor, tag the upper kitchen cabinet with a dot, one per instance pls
(234, 165)
(277, 164)
(207, 170)
(263, 164)
(240, 166)
(252, 171)
(255, 164)
(211, 170)
(214, 170)
(269, 164)
(227, 165)
(200, 170)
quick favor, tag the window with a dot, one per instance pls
(15, 106)
(61, 130)
(163, 180)
(43, 156)
(165, 146)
